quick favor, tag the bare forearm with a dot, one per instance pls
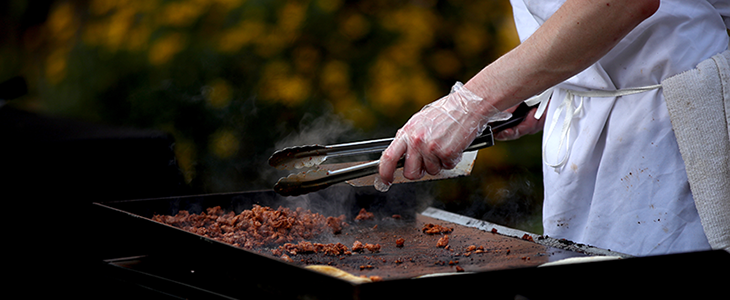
(576, 36)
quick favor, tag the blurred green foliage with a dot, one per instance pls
(233, 80)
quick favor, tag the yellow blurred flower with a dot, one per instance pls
(272, 43)
(165, 48)
(56, 65)
(62, 22)
(351, 109)
(394, 85)
(415, 23)
(404, 53)
(387, 97)
(507, 36)
(335, 78)
(218, 93)
(102, 7)
(118, 27)
(386, 89)
(293, 90)
(138, 38)
(182, 13)
(279, 84)
(229, 4)
(328, 5)
(291, 16)
(224, 143)
(233, 39)
(421, 89)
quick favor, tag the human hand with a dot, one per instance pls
(529, 125)
(434, 138)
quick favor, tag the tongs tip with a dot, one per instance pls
(297, 157)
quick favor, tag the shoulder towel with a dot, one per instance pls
(699, 108)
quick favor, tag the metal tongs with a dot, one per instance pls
(310, 156)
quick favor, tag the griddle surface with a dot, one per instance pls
(420, 254)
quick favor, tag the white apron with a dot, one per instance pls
(616, 179)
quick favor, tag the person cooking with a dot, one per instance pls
(620, 88)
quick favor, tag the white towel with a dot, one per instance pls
(699, 107)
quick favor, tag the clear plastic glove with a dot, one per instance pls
(434, 138)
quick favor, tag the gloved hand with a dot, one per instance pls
(529, 125)
(434, 138)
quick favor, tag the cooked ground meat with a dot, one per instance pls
(443, 241)
(259, 226)
(309, 247)
(357, 246)
(373, 248)
(436, 229)
(364, 215)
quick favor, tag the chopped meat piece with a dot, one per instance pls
(286, 258)
(443, 241)
(372, 248)
(376, 278)
(357, 246)
(364, 215)
(471, 248)
(399, 242)
(436, 229)
(459, 269)
(527, 237)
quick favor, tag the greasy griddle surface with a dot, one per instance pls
(420, 254)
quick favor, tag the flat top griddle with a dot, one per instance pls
(169, 260)
(501, 247)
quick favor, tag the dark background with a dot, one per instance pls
(134, 99)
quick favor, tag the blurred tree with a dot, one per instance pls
(233, 80)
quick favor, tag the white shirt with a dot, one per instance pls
(623, 186)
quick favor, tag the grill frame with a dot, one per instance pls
(164, 259)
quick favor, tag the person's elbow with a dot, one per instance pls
(644, 8)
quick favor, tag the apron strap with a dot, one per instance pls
(567, 108)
